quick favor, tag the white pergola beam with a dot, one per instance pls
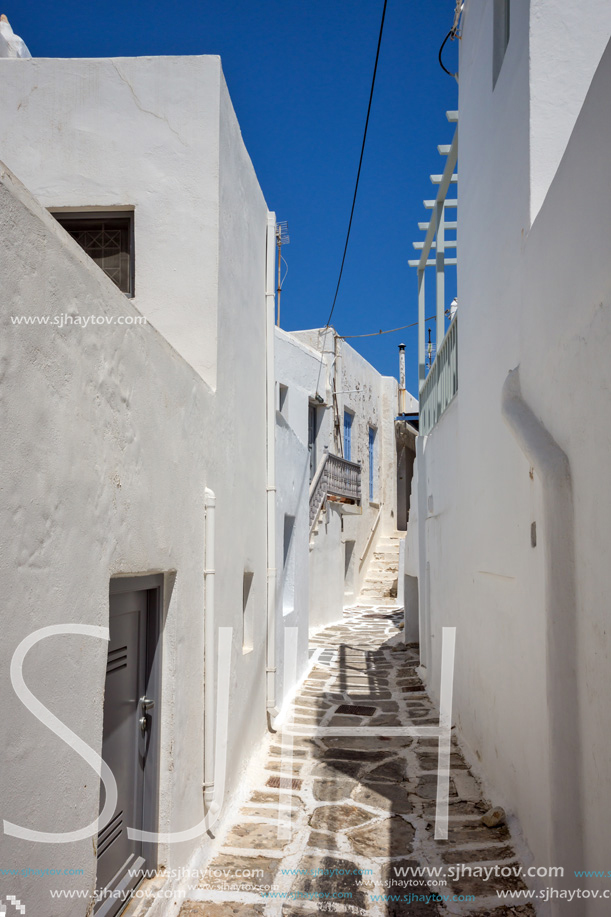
(425, 226)
(449, 202)
(449, 262)
(437, 179)
(449, 243)
(439, 202)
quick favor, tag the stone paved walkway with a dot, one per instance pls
(357, 812)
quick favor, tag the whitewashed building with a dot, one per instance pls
(157, 485)
(297, 380)
(352, 471)
(137, 469)
(509, 534)
(337, 468)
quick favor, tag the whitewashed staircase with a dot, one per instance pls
(380, 583)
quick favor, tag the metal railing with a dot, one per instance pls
(441, 384)
(334, 477)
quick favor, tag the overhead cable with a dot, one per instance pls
(358, 174)
(372, 334)
(451, 34)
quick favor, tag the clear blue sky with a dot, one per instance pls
(299, 74)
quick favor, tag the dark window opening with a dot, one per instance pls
(247, 613)
(500, 37)
(108, 240)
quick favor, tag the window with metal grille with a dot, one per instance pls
(108, 240)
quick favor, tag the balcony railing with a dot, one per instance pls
(335, 477)
(441, 384)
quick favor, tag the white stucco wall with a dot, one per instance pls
(327, 561)
(141, 133)
(566, 377)
(567, 41)
(319, 561)
(237, 439)
(297, 370)
(538, 298)
(114, 438)
(86, 496)
(373, 399)
(553, 52)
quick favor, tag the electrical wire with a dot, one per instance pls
(451, 34)
(285, 273)
(373, 334)
(358, 174)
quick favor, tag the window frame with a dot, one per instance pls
(501, 33)
(348, 430)
(283, 403)
(90, 214)
(372, 433)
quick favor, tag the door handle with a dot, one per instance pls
(146, 703)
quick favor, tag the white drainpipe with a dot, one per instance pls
(272, 710)
(565, 748)
(210, 806)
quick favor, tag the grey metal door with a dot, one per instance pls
(130, 746)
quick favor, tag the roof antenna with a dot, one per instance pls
(282, 238)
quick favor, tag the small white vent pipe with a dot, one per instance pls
(272, 710)
(210, 806)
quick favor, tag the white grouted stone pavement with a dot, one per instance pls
(357, 812)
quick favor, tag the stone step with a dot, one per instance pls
(377, 599)
(386, 600)
(385, 555)
(382, 566)
(380, 577)
(385, 590)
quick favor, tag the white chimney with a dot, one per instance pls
(402, 393)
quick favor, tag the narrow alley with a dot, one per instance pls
(361, 809)
(306, 606)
